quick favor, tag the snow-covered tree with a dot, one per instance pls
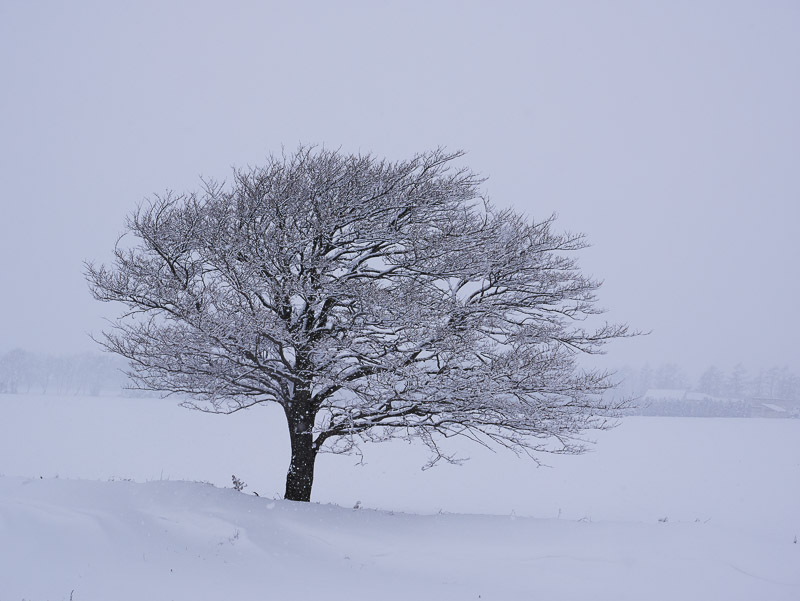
(736, 383)
(670, 375)
(711, 381)
(17, 370)
(370, 299)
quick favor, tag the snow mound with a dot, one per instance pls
(93, 540)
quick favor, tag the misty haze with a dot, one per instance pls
(448, 300)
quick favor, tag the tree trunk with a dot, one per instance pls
(300, 476)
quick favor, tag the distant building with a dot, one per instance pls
(772, 407)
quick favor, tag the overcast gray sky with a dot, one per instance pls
(669, 132)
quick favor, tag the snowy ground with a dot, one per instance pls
(662, 509)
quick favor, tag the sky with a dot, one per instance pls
(668, 132)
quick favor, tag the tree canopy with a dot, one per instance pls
(370, 299)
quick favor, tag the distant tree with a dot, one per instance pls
(17, 371)
(645, 379)
(711, 381)
(670, 375)
(786, 385)
(736, 383)
(369, 299)
(770, 383)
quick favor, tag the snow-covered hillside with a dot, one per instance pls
(662, 509)
(177, 540)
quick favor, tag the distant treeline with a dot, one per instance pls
(738, 383)
(93, 374)
(666, 390)
(23, 372)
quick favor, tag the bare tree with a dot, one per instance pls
(370, 299)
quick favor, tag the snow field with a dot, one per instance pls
(728, 489)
